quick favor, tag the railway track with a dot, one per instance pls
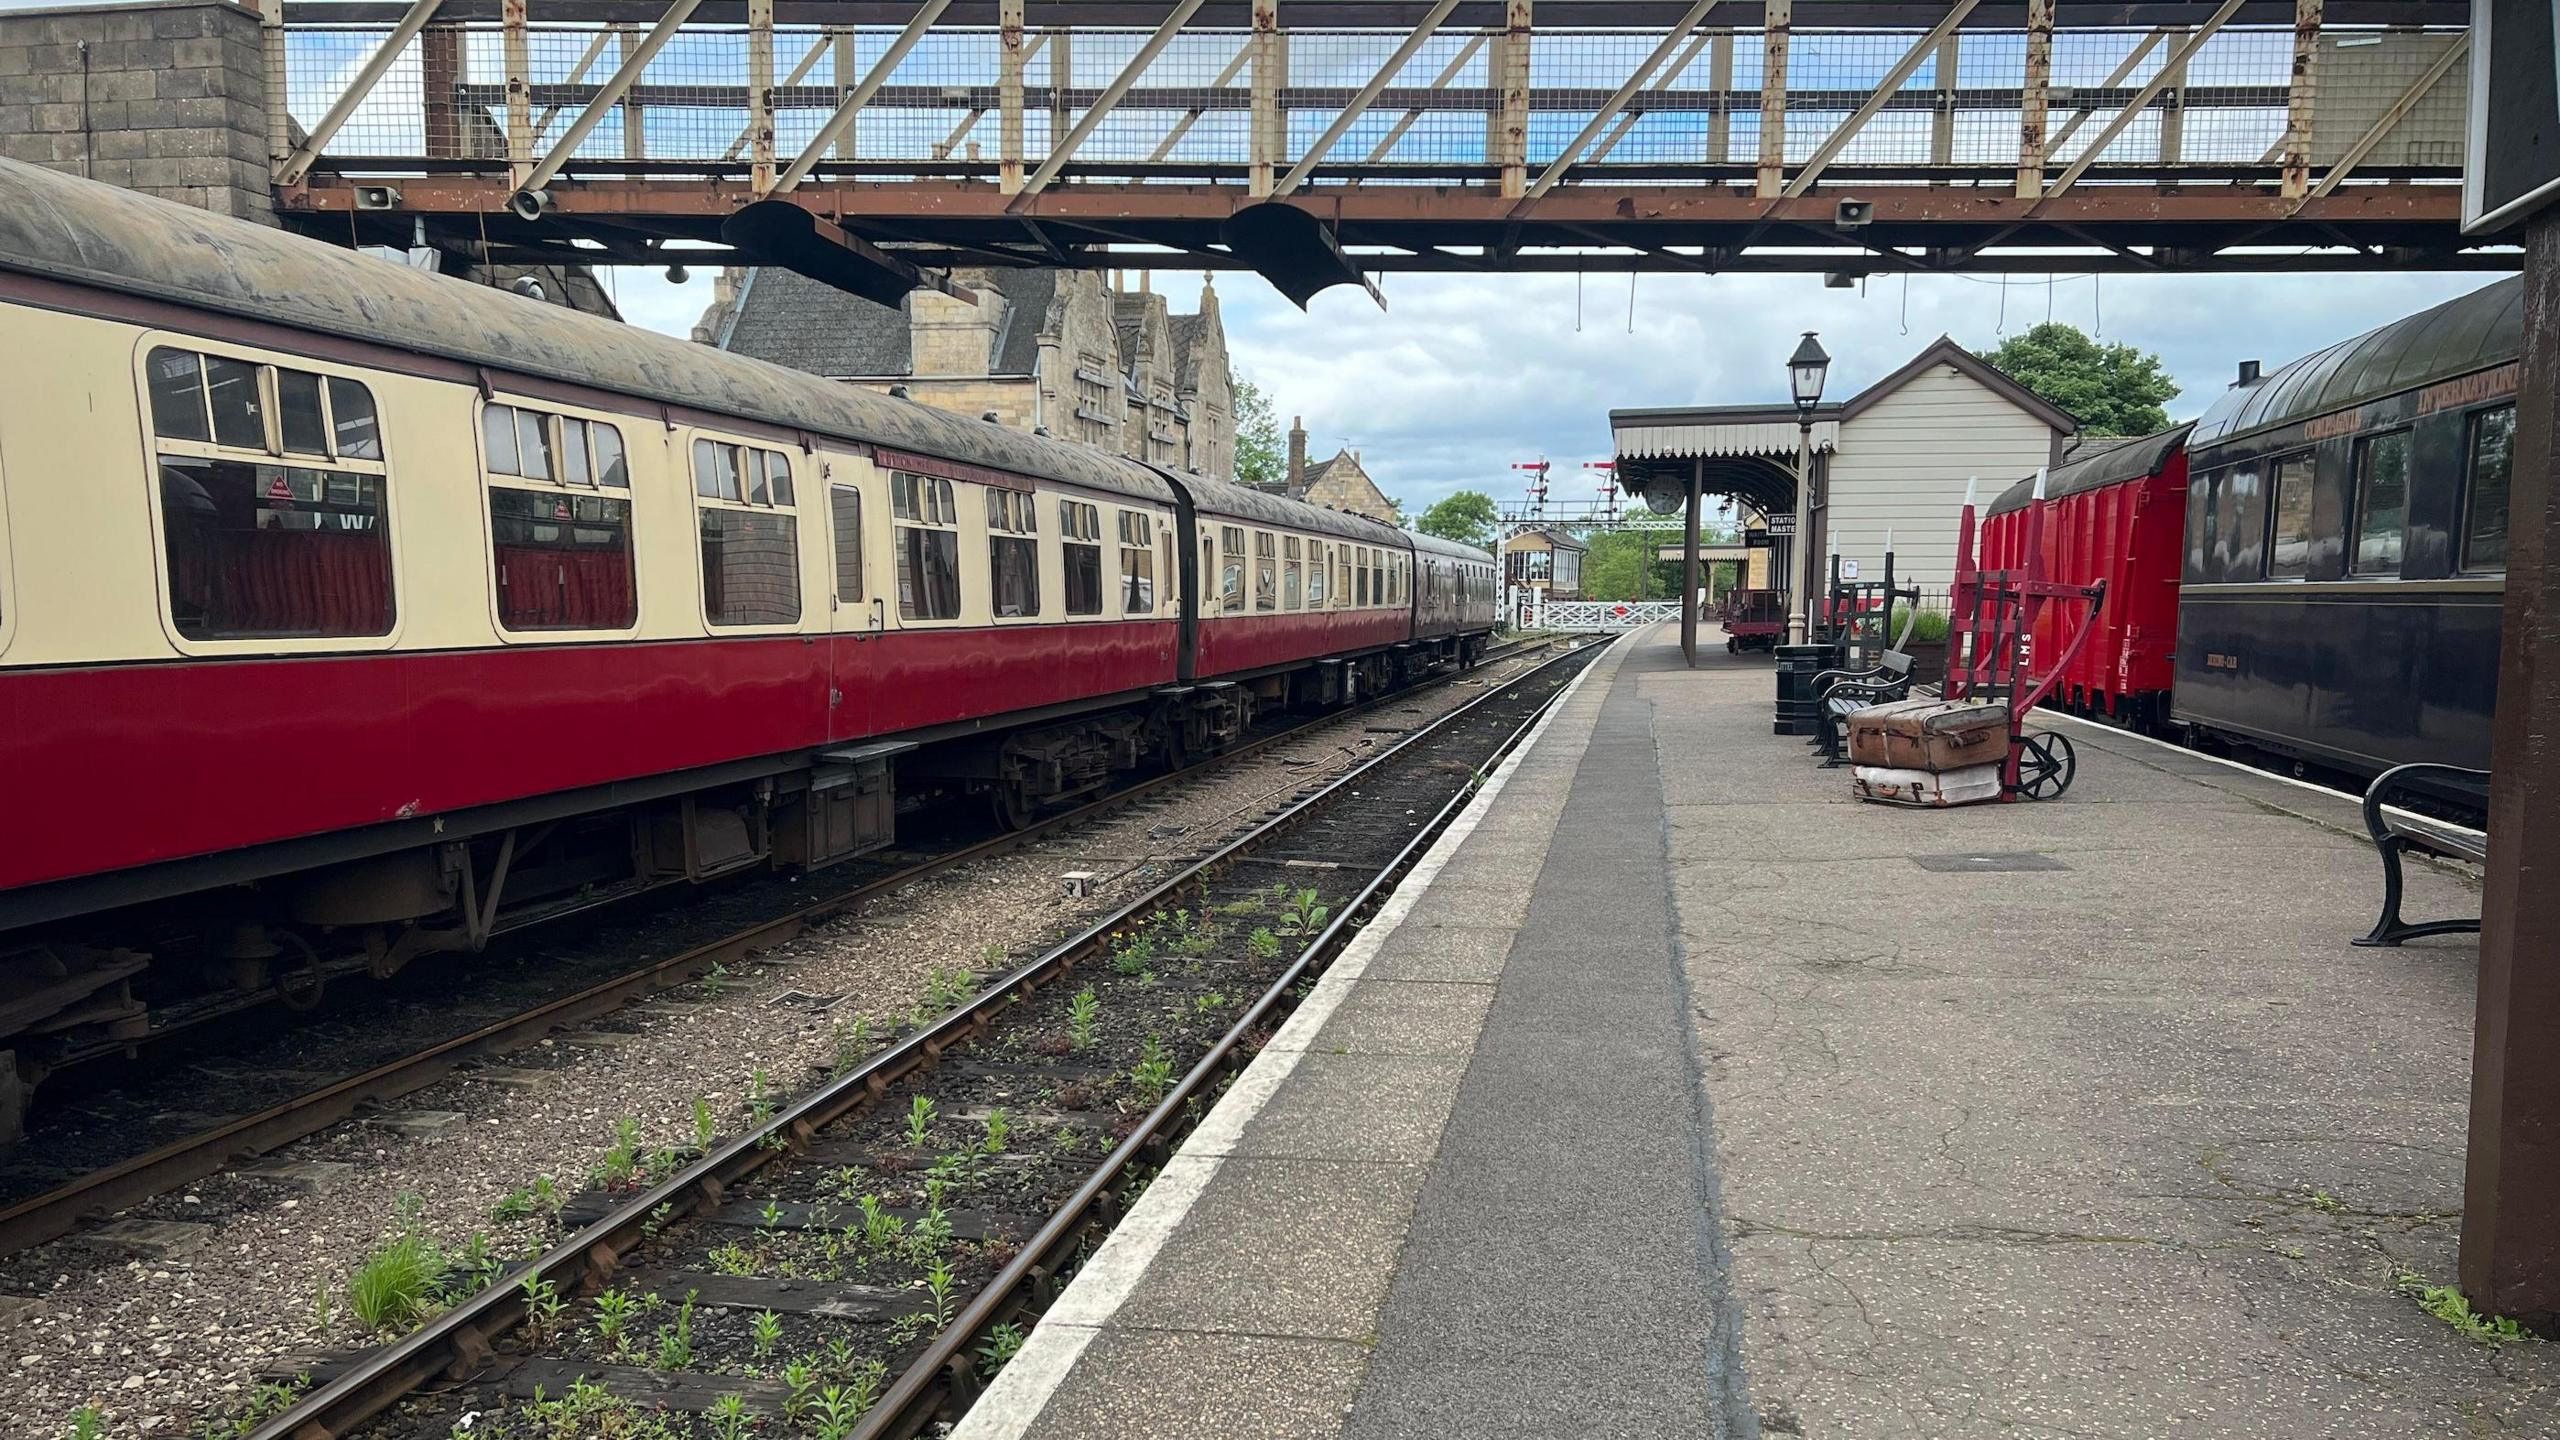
(62, 1209)
(858, 1261)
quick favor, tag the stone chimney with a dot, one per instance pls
(1297, 484)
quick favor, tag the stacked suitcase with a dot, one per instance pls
(1928, 752)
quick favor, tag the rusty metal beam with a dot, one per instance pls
(2034, 98)
(1905, 15)
(2301, 96)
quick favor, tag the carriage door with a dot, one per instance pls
(857, 599)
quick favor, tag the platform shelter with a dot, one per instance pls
(1891, 462)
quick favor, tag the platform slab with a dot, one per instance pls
(1673, 1095)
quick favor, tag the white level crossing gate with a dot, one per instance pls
(1582, 615)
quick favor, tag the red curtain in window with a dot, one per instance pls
(291, 582)
(546, 589)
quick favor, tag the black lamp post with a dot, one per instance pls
(1805, 371)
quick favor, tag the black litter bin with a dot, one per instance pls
(1798, 713)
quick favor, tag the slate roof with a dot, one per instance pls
(790, 319)
(1188, 331)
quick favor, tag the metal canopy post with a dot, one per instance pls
(1689, 562)
(2511, 1181)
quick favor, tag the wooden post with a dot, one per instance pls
(1689, 562)
(760, 95)
(2305, 92)
(1779, 15)
(1009, 98)
(1267, 132)
(2511, 1183)
(2034, 99)
(1507, 130)
(1720, 79)
(519, 61)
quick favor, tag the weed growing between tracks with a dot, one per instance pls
(816, 1280)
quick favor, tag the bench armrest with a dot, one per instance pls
(2398, 778)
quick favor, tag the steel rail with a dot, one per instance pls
(942, 1382)
(128, 1182)
(461, 1341)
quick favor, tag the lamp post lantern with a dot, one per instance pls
(1805, 371)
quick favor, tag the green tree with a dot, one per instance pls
(1262, 455)
(1620, 566)
(1467, 517)
(2111, 389)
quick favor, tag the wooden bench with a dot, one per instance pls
(2395, 831)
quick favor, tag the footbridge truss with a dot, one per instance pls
(1452, 135)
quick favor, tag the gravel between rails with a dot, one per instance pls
(161, 1341)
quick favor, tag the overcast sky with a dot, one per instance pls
(1463, 375)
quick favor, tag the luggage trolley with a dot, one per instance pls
(2016, 640)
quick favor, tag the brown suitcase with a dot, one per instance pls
(1933, 735)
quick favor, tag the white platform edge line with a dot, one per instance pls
(2340, 796)
(1023, 1388)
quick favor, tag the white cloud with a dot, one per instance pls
(1465, 374)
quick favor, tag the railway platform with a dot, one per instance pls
(1678, 1094)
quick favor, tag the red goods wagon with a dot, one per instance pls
(2116, 518)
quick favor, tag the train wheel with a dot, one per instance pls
(1013, 811)
(2046, 766)
(1732, 646)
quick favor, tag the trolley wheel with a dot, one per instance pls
(2046, 765)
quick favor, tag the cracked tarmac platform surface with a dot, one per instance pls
(1684, 1095)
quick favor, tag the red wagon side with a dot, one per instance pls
(2118, 518)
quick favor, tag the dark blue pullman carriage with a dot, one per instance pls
(2346, 544)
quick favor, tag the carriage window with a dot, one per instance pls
(563, 561)
(239, 414)
(304, 425)
(751, 553)
(844, 505)
(2382, 502)
(611, 469)
(1360, 577)
(1137, 564)
(1319, 560)
(1081, 527)
(351, 417)
(1342, 575)
(2289, 546)
(256, 547)
(1231, 577)
(928, 546)
(1293, 574)
(1266, 572)
(176, 380)
(1170, 572)
(2484, 510)
(1013, 553)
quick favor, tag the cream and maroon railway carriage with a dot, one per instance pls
(350, 613)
